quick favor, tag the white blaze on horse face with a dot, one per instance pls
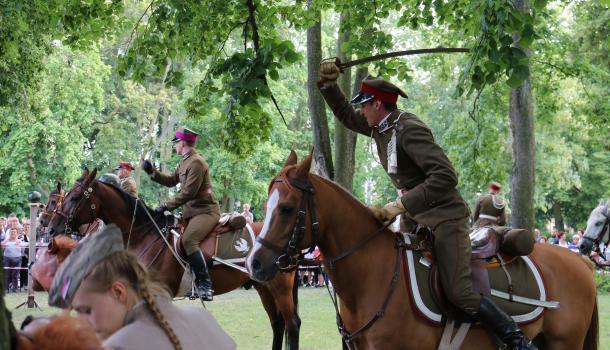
(596, 222)
(271, 204)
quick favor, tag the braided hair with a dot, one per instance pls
(124, 265)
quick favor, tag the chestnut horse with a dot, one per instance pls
(305, 210)
(90, 199)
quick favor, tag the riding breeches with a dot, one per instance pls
(197, 229)
(452, 252)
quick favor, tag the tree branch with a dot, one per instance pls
(252, 19)
(138, 22)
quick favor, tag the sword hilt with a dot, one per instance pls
(337, 61)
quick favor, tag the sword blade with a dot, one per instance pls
(230, 264)
(524, 300)
(401, 53)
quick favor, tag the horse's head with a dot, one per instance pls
(48, 260)
(55, 198)
(289, 217)
(78, 207)
(597, 228)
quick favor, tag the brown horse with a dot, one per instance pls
(304, 210)
(48, 260)
(90, 199)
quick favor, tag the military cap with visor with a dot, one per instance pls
(184, 134)
(378, 89)
(124, 165)
(80, 263)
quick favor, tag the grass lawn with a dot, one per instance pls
(241, 314)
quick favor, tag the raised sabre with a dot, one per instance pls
(383, 56)
(524, 300)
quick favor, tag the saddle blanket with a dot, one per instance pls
(526, 279)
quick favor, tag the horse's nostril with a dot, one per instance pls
(256, 265)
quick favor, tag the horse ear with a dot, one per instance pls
(92, 176)
(292, 159)
(303, 167)
(58, 186)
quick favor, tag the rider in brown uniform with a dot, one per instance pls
(128, 184)
(199, 205)
(419, 168)
(490, 209)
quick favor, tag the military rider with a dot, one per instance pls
(128, 184)
(197, 199)
(490, 209)
(419, 168)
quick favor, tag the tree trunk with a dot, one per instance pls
(345, 139)
(557, 216)
(521, 112)
(321, 139)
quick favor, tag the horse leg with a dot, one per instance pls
(284, 288)
(277, 322)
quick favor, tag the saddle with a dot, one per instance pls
(500, 275)
(230, 239)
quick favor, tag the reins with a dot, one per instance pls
(88, 193)
(289, 255)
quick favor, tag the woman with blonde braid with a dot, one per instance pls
(113, 292)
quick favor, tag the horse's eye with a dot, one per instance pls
(286, 210)
(599, 223)
(73, 199)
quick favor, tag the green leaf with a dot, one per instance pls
(273, 74)
(527, 36)
(540, 4)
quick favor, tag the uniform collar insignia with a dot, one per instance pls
(184, 157)
(386, 124)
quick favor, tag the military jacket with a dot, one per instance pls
(424, 173)
(129, 185)
(493, 209)
(193, 175)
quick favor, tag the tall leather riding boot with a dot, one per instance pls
(203, 283)
(495, 319)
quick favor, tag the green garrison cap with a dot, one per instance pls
(79, 264)
(379, 89)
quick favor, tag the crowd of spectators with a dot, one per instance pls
(560, 238)
(14, 239)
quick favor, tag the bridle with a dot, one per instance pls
(595, 241)
(289, 255)
(87, 193)
(59, 198)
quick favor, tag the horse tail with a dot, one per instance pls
(592, 337)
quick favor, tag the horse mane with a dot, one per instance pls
(131, 201)
(345, 194)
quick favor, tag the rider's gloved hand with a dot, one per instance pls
(161, 208)
(329, 72)
(147, 166)
(389, 211)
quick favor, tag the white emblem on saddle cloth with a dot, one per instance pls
(426, 309)
(241, 245)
